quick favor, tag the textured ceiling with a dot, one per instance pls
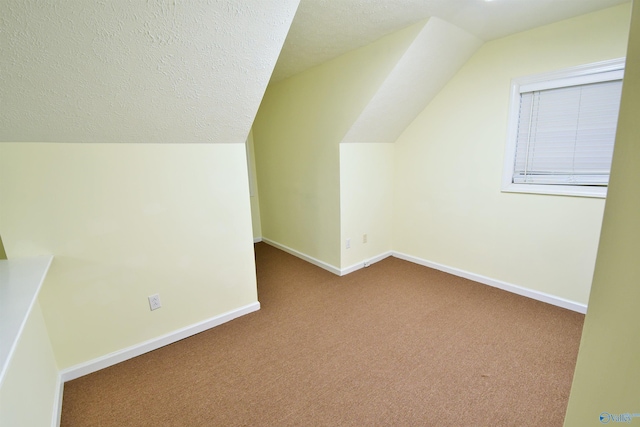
(324, 29)
(133, 71)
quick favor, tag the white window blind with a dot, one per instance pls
(565, 135)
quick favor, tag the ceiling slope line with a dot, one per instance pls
(437, 53)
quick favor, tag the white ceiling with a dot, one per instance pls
(324, 29)
(133, 71)
(439, 50)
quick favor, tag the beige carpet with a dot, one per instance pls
(394, 344)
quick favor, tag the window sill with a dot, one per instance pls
(557, 190)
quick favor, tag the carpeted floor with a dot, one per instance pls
(394, 344)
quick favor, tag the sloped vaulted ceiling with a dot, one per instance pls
(153, 71)
(434, 56)
(453, 31)
(325, 29)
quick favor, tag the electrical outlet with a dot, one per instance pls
(348, 243)
(364, 238)
(154, 302)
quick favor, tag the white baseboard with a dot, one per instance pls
(365, 263)
(102, 362)
(529, 293)
(110, 359)
(540, 296)
(335, 270)
(57, 402)
(257, 239)
(312, 260)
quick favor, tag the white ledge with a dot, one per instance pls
(20, 282)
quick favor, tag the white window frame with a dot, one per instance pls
(584, 74)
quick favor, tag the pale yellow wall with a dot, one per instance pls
(126, 221)
(297, 131)
(28, 392)
(253, 188)
(607, 377)
(448, 206)
(366, 200)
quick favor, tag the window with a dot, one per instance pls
(562, 128)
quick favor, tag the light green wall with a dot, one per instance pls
(448, 205)
(125, 221)
(28, 392)
(253, 188)
(607, 377)
(297, 132)
(366, 200)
